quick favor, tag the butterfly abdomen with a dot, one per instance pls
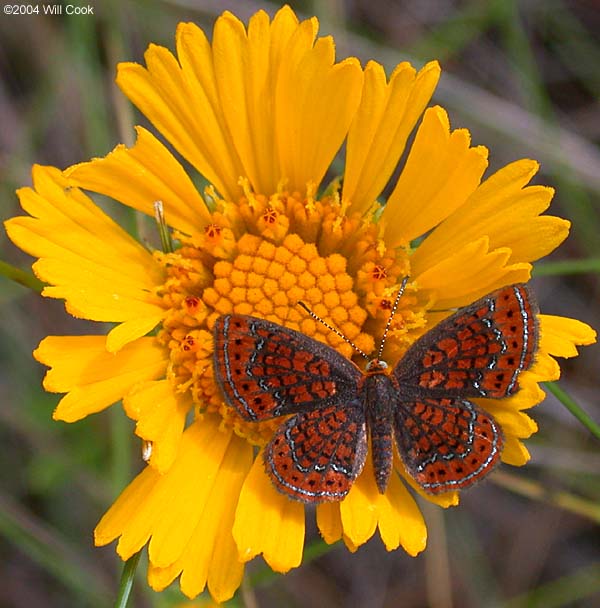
(380, 399)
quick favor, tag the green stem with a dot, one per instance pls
(28, 279)
(126, 583)
(574, 408)
(567, 267)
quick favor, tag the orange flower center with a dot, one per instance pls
(260, 258)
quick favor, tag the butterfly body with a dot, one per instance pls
(379, 398)
(422, 405)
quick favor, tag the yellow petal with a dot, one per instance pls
(248, 80)
(187, 487)
(124, 513)
(329, 522)
(349, 544)
(469, 273)
(131, 330)
(515, 423)
(160, 414)
(441, 172)
(245, 74)
(94, 378)
(89, 293)
(560, 335)
(210, 556)
(140, 176)
(395, 513)
(528, 395)
(445, 500)
(219, 161)
(160, 578)
(359, 509)
(102, 273)
(514, 452)
(386, 116)
(544, 369)
(167, 507)
(182, 103)
(314, 105)
(505, 210)
(400, 519)
(71, 221)
(268, 523)
(226, 570)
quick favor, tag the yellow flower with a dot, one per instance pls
(261, 113)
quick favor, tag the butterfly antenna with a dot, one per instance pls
(392, 313)
(333, 329)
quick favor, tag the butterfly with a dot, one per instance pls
(422, 406)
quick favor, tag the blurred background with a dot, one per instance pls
(524, 77)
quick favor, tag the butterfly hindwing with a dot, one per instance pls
(447, 443)
(479, 351)
(267, 370)
(316, 456)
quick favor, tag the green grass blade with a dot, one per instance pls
(566, 267)
(28, 279)
(126, 583)
(592, 426)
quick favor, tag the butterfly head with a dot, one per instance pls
(375, 366)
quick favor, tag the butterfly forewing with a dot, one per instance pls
(477, 352)
(316, 456)
(446, 444)
(266, 370)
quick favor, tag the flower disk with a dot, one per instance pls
(266, 277)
